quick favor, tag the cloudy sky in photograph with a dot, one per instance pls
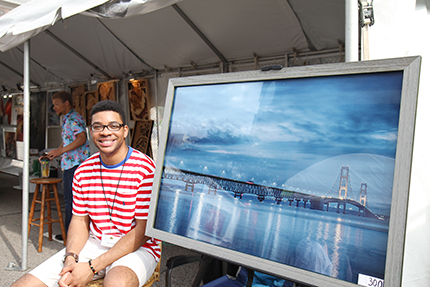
(269, 131)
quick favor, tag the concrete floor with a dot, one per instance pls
(11, 241)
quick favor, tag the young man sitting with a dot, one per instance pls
(111, 193)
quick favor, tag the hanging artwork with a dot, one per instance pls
(106, 91)
(138, 95)
(10, 144)
(38, 119)
(53, 118)
(17, 108)
(78, 95)
(91, 98)
(6, 110)
(142, 136)
(2, 148)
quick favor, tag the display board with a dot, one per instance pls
(302, 173)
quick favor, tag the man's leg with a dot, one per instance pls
(28, 280)
(68, 198)
(46, 274)
(133, 269)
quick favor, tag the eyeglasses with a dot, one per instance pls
(113, 127)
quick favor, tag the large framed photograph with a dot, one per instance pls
(302, 173)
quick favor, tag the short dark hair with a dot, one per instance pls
(108, 105)
(63, 96)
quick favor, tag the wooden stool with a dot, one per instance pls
(45, 198)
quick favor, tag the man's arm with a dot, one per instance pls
(76, 238)
(81, 138)
(81, 273)
(127, 244)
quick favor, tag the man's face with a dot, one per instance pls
(109, 143)
(60, 107)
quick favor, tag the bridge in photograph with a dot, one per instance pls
(336, 200)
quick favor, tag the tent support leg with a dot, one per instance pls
(26, 162)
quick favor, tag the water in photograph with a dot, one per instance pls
(353, 245)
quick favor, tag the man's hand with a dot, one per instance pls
(55, 153)
(75, 275)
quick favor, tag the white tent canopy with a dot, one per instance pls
(150, 36)
(67, 47)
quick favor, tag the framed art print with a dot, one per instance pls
(142, 136)
(91, 98)
(77, 93)
(52, 118)
(302, 173)
(9, 137)
(138, 97)
(107, 91)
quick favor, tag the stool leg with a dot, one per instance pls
(60, 216)
(33, 205)
(48, 191)
(42, 218)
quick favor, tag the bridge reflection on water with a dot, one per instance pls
(294, 198)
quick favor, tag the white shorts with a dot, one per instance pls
(140, 261)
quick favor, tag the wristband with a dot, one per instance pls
(92, 268)
(75, 256)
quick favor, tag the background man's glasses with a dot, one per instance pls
(114, 127)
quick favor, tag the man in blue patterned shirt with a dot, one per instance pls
(74, 149)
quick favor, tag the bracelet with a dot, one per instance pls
(92, 268)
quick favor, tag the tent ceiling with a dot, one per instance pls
(237, 29)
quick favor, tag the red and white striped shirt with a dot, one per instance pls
(96, 186)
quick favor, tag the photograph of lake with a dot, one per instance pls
(296, 171)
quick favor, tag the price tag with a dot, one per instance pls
(369, 281)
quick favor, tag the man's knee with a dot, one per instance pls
(28, 280)
(121, 276)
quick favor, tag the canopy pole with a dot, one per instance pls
(367, 19)
(351, 31)
(26, 159)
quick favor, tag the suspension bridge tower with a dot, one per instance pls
(363, 194)
(343, 183)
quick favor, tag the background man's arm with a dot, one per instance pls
(81, 138)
